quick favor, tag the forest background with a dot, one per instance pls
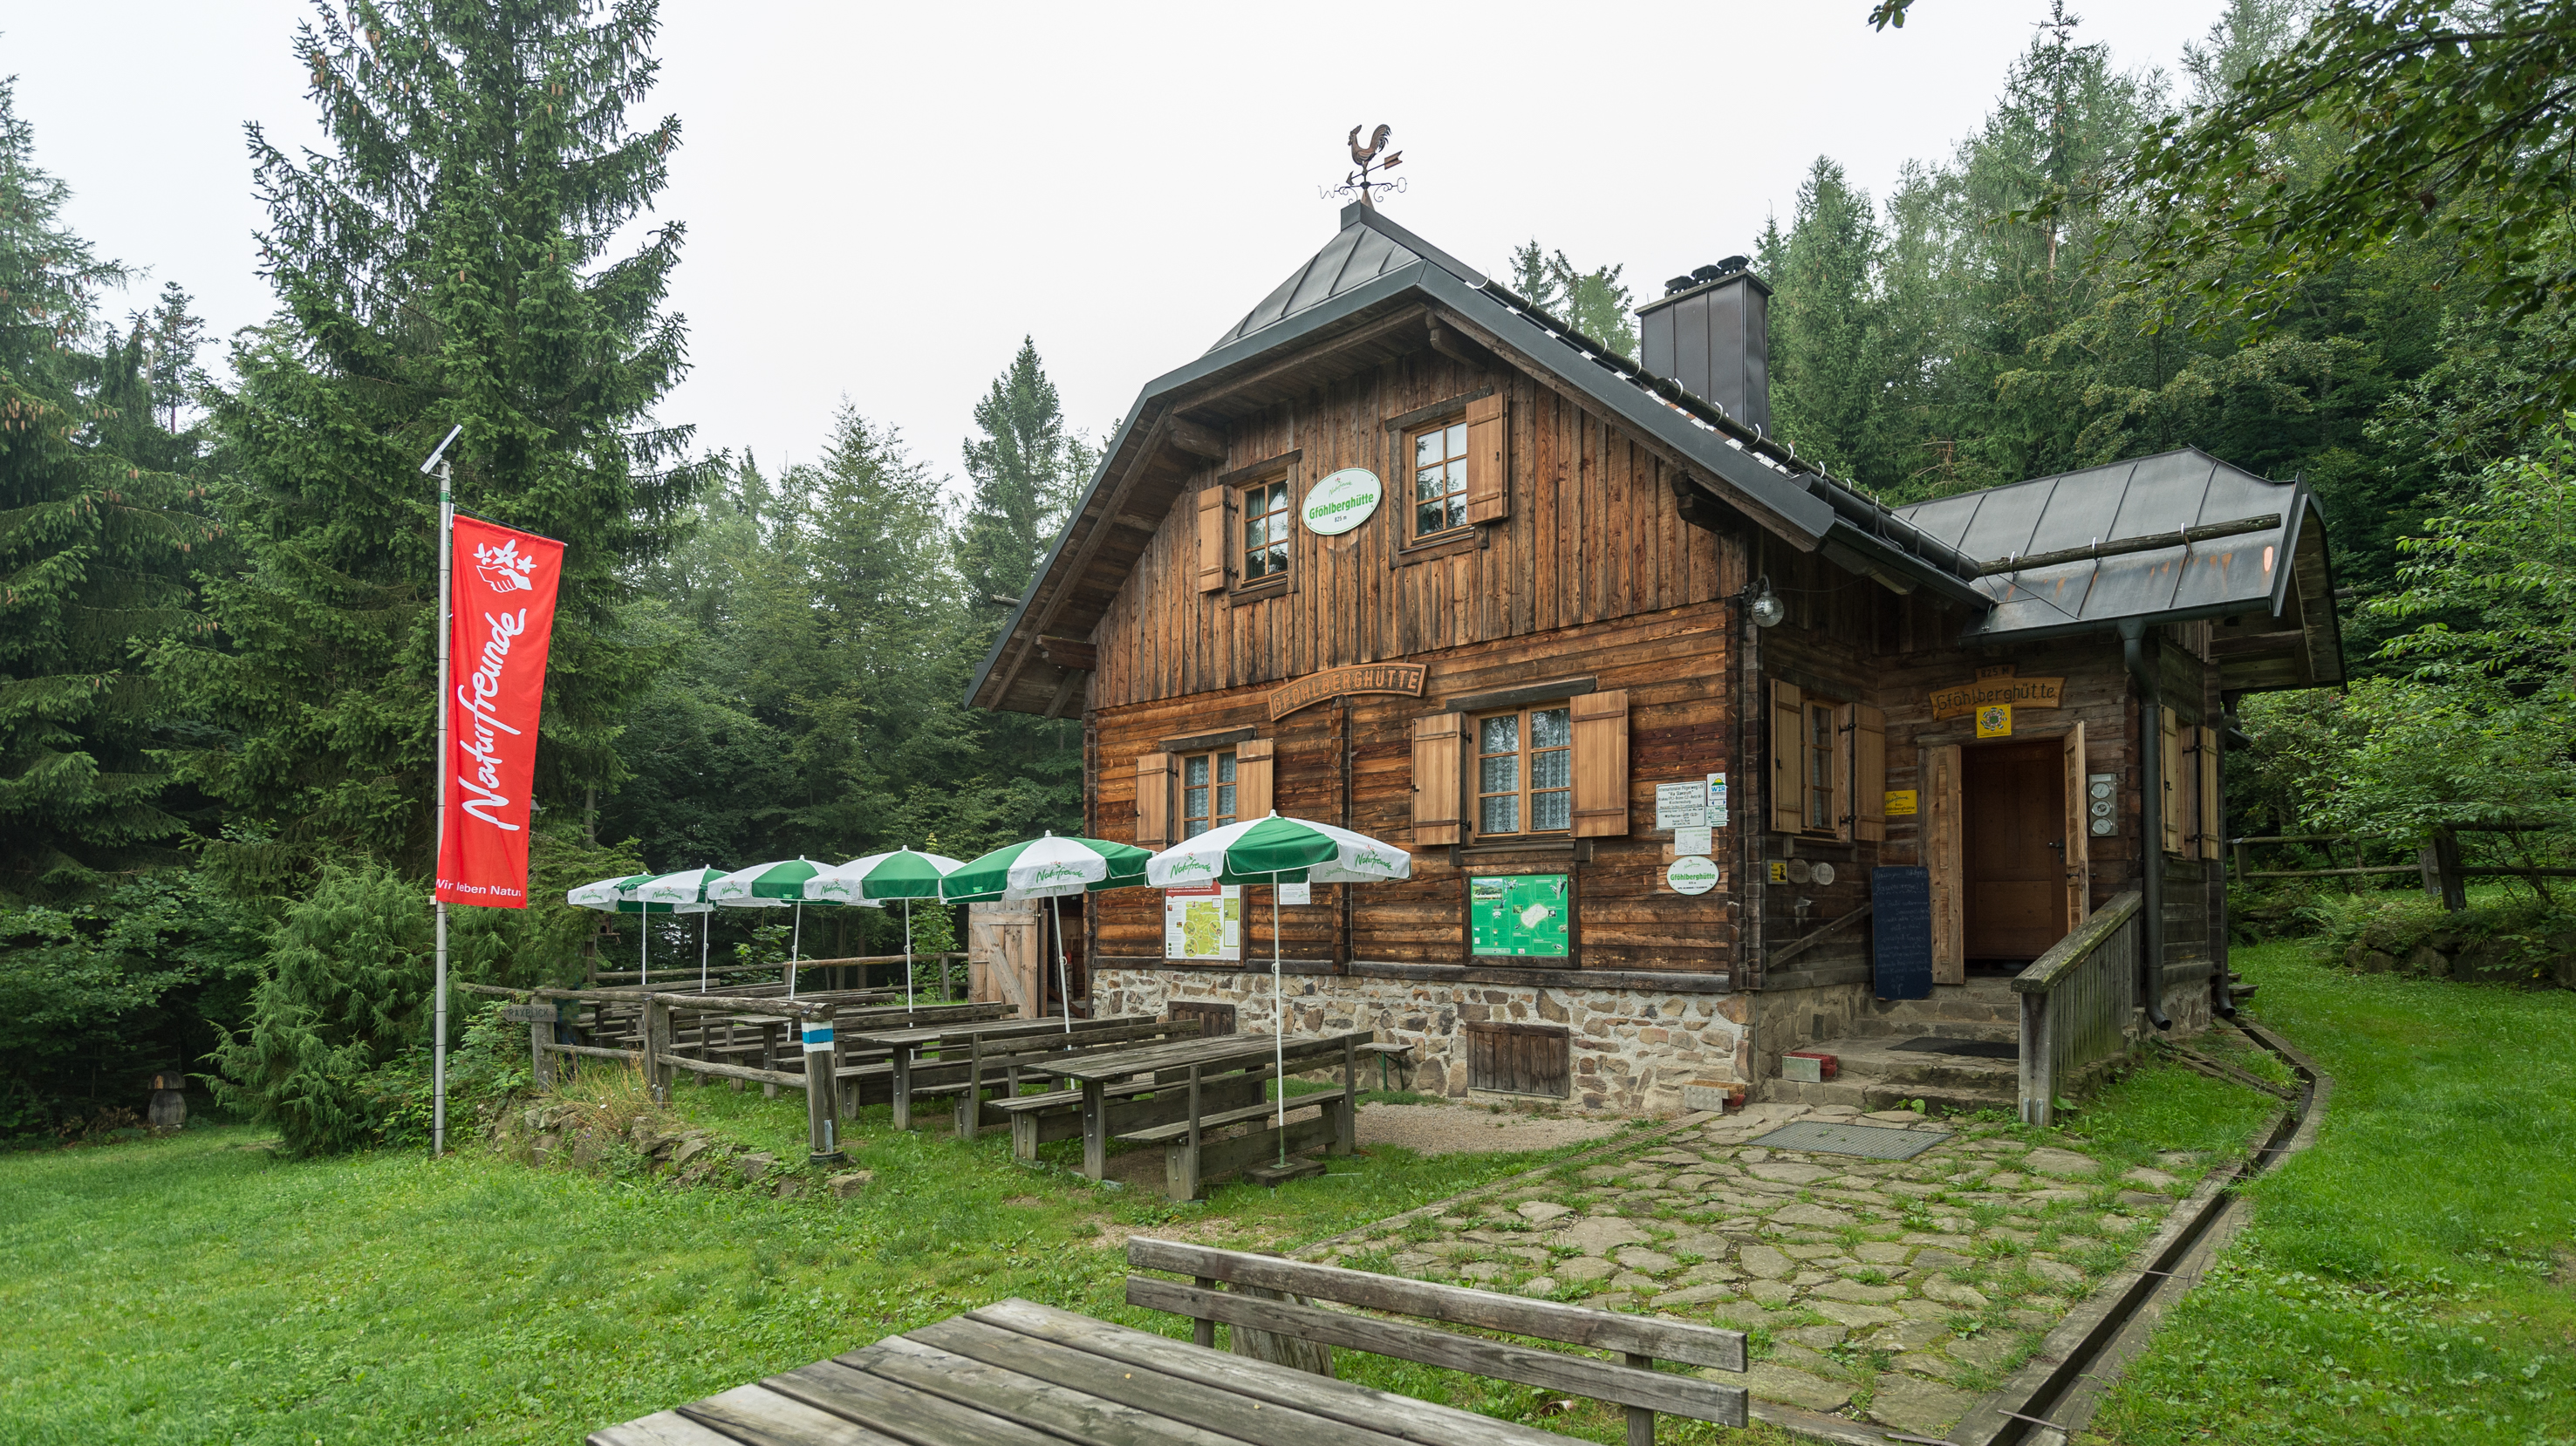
(216, 639)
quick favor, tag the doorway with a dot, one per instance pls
(2013, 812)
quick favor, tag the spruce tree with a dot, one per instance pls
(92, 549)
(1025, 469)
(445, 262)
(1824, 378)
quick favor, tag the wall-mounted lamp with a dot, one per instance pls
(1768, 610)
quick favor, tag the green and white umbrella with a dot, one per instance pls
(905, 874)
(1275, 851)
(688, 886)
(784, 884)
(1048, 868)
(624, 896)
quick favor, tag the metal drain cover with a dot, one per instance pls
(1876, 1142)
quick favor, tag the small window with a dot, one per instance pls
(1820, 767)
(1207, 792)
(1525, 771)
(1265, 531)
(1440, 479)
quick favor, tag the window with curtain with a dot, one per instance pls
(1207, 792)
(1525, 771)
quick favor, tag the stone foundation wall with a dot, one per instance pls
(1630, 1050)
(1787, 1019)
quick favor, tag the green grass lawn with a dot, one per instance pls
(2411, 1278)
(197, 1289)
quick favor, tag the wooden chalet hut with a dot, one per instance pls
(1651, 700)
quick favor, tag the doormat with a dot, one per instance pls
(1973, 1048)
(1875, 1142)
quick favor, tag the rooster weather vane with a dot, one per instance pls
(1371, 173)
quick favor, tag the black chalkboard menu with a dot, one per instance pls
(1900, 916)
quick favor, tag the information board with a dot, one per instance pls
(1203, 921)
(1681, 805)
(1519, 915)
(1900, 918)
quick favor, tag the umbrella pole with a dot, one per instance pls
(1063, 974)
(1278, 1024)
(795, 943)
(644, 947)
(702, 949)
(907, 954)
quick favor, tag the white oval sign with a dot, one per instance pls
(1342, 501)
(1692, 875)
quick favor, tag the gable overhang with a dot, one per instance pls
(1385, 315)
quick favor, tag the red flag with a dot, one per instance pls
(500, 618)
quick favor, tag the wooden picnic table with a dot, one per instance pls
(1016, 1373)
(906, 1046)
(1194, 1060)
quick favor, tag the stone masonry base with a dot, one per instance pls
(1630, 1051)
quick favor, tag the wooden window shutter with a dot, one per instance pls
(1869, 774)
(2213, 817)
(1488, 464)
(1839, 804)
(1154, 801)
(1214, 538)
(2078, 824)
(1601, 764)
(1436, 763)
(1252, 758)
(1788, 758)
(2169, 756)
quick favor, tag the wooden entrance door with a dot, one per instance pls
(2013, 799)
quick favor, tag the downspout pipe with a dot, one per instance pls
(2151, 819)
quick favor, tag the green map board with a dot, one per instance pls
(1518, 914)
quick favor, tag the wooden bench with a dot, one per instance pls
(1631, 1382)
(1189, 1158)
(1011, 1053)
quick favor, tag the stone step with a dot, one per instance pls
(1874, 1075)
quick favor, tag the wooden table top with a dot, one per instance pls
(968, 1029)
(1016, 1373)
(1215, 1050)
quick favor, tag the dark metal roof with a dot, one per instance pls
(1370, 271)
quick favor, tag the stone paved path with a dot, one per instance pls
(1891, 1290)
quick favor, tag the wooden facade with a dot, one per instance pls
(1591, 599)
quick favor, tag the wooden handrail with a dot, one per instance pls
(1803, 945)
(2049, 969)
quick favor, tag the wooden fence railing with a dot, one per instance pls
(2076, 1004)
(2437, 863)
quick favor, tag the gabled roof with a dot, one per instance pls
(1367, 296)
(2269, 566)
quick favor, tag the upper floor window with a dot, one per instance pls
(1440, 479)
(1820, 766)
(1525, 771)
(1207, 791)
(1265, 531)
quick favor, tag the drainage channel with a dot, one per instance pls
(2056, 1395)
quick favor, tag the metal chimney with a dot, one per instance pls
(1711, 332)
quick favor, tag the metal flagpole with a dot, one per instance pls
(438, 835)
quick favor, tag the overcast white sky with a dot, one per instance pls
(881, 199)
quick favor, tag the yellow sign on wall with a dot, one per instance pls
(1897, 803)
(1994, 720)
(1996, 684)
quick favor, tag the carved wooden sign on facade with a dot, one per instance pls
(1996, 687)
(1405, 678)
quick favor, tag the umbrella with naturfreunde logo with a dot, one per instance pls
(695, 886)
(1276, 851)
(788, 883)
(624, 896)
(1048, 868)
(905, 874)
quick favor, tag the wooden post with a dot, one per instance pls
(654, 1037)
(1202, 1329)
(822, 1092)
(970, 1113)
(541, 1065)
(1184, 1184)
(1346, 1140)
(2446, 864)
(1641, 1419)
(769, 1054)
(2038, 1090)
(1095, 1130)
(902, 1086)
